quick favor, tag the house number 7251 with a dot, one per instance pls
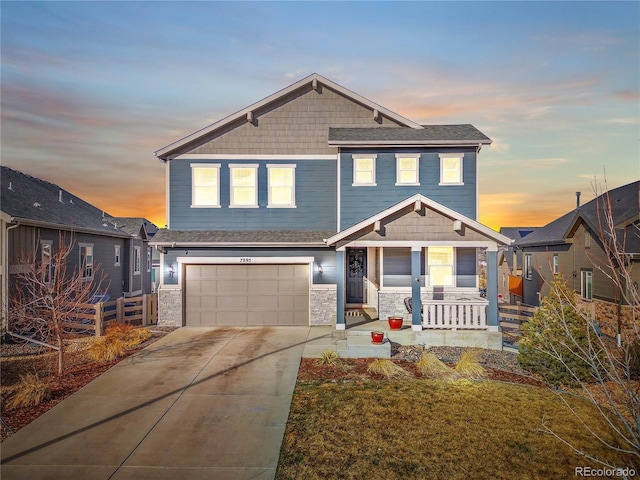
(245, 260)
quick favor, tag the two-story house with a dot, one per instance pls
(579, 247)
(36, 216)
(316, 200)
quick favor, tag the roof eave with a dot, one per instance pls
(405, 143)
(70, 228)
(164, 153)
(178, 244)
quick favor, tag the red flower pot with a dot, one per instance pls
(377, 337)
(395, 323)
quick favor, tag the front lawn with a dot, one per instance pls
(428, 429)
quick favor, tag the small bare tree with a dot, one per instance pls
(47, 295)
(607, 376)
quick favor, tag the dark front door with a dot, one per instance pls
(356, 269)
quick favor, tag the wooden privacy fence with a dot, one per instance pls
(515, 313)
(142, 310)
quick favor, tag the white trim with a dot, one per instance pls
(341, 326)
(477, 183)
(364, 156)
(214, 166)
(255, 194)
(459, 156)
(239, 156)
(432, 204)
(338, 190)
(419, 244)
(414, 156)
(167, 189)
(290, 166)
(247, 260)
(277, 96)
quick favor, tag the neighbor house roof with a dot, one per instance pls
(625, 208)
(457, 135)
(314, 79)
(30, 200)
(134, 225)
(243, 238)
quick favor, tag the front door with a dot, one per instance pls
(356, 270)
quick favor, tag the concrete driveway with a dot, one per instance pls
(201, 403)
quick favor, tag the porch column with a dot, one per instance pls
(492, 288)
(416, 307)
(340, 279)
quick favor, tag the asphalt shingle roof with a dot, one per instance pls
(624, 208)
(181, 237)
(31, 199)
(430, 134)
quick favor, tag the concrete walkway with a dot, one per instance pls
(201, 403)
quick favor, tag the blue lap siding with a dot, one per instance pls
(360, 202)
(316, 204)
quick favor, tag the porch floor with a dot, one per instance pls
(355, 341)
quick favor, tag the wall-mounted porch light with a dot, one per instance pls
(320, 270)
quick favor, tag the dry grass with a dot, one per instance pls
(386, 368)
(118, 339)
(432, 429)
(469, 367)
(430, 366)
(329, 357)
(31, 391)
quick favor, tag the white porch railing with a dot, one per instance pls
(454, 314)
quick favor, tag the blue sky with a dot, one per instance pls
(91, 89)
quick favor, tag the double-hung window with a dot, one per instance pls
(556, 265)
(117, 253)
(137, 260)
(527, 267)
(407, 169)
(282, 186)
(244, 186)
(586, 284)
(205, 181)
(46, 263)
(364, 170)
(440, 261)
(86, 260)
(451, 169)
(148, 259)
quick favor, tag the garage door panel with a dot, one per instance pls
(247, 295)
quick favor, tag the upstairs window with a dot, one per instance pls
(244, 186)
(451, 169)
(205, 181)
(86, 260)
(407, 169)
(364, 170)
(148, 259)
(556, 265)
(440, 261)
(282, 186)
(46, 263)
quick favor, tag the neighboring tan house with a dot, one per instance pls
(35, 216)
(315, 201)
(510, 266)
(575, 246)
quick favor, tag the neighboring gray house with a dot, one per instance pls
(510, 266)
(575, 247)
(316, 201)
(35, 216)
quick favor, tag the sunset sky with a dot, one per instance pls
(91, 89)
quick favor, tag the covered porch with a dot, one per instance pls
(424, 262)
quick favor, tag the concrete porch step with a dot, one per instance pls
(359, 345)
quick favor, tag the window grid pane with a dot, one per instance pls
(281, 186)
(243, 192)
(364, 171)
(205, 186)
(451, 170)
(407, 170)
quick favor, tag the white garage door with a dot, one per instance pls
(247, 295)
